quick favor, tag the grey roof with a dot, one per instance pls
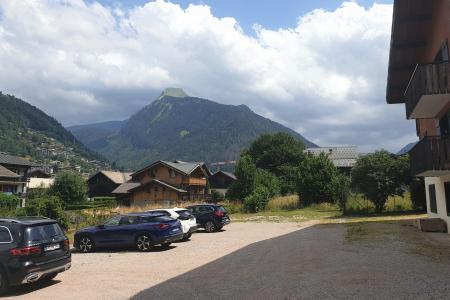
(116, 177)
(160, 182)
(125, 188)
(7, 159)
(231, 175)
(4, 172)
(341, 157)
(181, 166)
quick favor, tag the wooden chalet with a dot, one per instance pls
(103, 183)
(166, 182)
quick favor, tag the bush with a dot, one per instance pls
(50, 207)
(318, 180)
(70, 187)
(257, 200)
(268, 180)
(8, 204)
(233, 207)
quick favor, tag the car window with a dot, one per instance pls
(206, 209)
(183, 213)
(5, 235)
(162, 212)
(193, 209)
(222, 209)
(41, 233)
(128, 220)
(113, 221)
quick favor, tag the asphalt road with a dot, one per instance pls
(370, 261)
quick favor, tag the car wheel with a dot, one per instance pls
(210, 226)
(3, 283)
(144, 243)
(187, 236)
(165, 245)
(49, 277)
(85, 244)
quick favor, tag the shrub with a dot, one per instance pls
(243, 186)
(233, 207)
(257, 200)
(268, 180)
(50, 207)
(318, 180)
(8, 204)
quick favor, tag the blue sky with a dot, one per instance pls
(270, 14)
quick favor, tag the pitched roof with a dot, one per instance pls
(165, 184)
(340, 156)
(4, 172)
(117, 177)
(7, 159)
(228, 174)
(125, 188)
(181, 166)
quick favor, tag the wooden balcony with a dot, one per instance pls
(428, 91)
(194, 181)
(431, 156)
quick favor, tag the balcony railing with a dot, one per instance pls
(430, 156)
(427, 79)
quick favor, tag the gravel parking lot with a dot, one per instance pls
(382, 260)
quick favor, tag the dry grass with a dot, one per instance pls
(283, 203)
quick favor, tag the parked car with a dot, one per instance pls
(187, 220)
(141, 230)
(212, 217)
(31, 249)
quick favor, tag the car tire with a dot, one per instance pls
(210, 226)
(49, 277)
(187, 236)
(85, 244)
(3, 283)
(144, 242)
(165, 245)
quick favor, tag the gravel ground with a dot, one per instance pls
(121, 274)
(377, 260)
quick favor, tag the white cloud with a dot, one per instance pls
(325, 78)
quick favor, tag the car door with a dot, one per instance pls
(204, 214)
(108, 233)
(127, 229)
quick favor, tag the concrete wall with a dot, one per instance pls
(440, 197)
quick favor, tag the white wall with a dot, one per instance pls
(440, 198)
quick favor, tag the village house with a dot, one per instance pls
(166, 182)
(221, 181)
(419, 77)
(14, 174)
(102, 183)
(343, 158)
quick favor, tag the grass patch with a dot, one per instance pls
(357, 204)
(291, 202)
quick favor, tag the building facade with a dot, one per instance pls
(14, 174)
(166, 182)
(419, 77)
(102, 183)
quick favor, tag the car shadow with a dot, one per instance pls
(21, 290)
(157, 248)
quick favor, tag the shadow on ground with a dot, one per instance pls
(383, 260)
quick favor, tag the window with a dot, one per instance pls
(113, 221)
(171, 173)
(432, 193)
(151, 173)
(128, 220)
(447, 197)
(5, 235)
(42, 232)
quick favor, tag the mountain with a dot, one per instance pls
(27, 131)
(406, 148)
(177, 126)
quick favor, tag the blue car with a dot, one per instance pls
(140, 230)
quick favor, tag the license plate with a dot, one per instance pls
(52, 247)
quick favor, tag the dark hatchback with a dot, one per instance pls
(140, 230)
(212, 217)
(31, 249)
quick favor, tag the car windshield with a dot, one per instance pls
(41, 233)
(113, 221)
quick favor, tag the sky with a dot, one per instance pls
(318, 67)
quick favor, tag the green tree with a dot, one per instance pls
(268, 180)
(317, 180)
(245, 175)
(380, 175)
(70, 187)
(280, 154)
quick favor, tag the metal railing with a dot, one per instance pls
(432, 153)
(427, 79)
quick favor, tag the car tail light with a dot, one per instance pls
(162, 226)
(219, 213)
(66, 244)
(26, 251)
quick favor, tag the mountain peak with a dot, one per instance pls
(173, 92)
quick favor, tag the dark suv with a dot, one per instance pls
(212, 217)
(31, 249)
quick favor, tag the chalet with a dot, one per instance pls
(343, 158)
(14, 174)
(104, 182)
(221, 181)
(38, 178)
(418, 77)
(166, 182)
